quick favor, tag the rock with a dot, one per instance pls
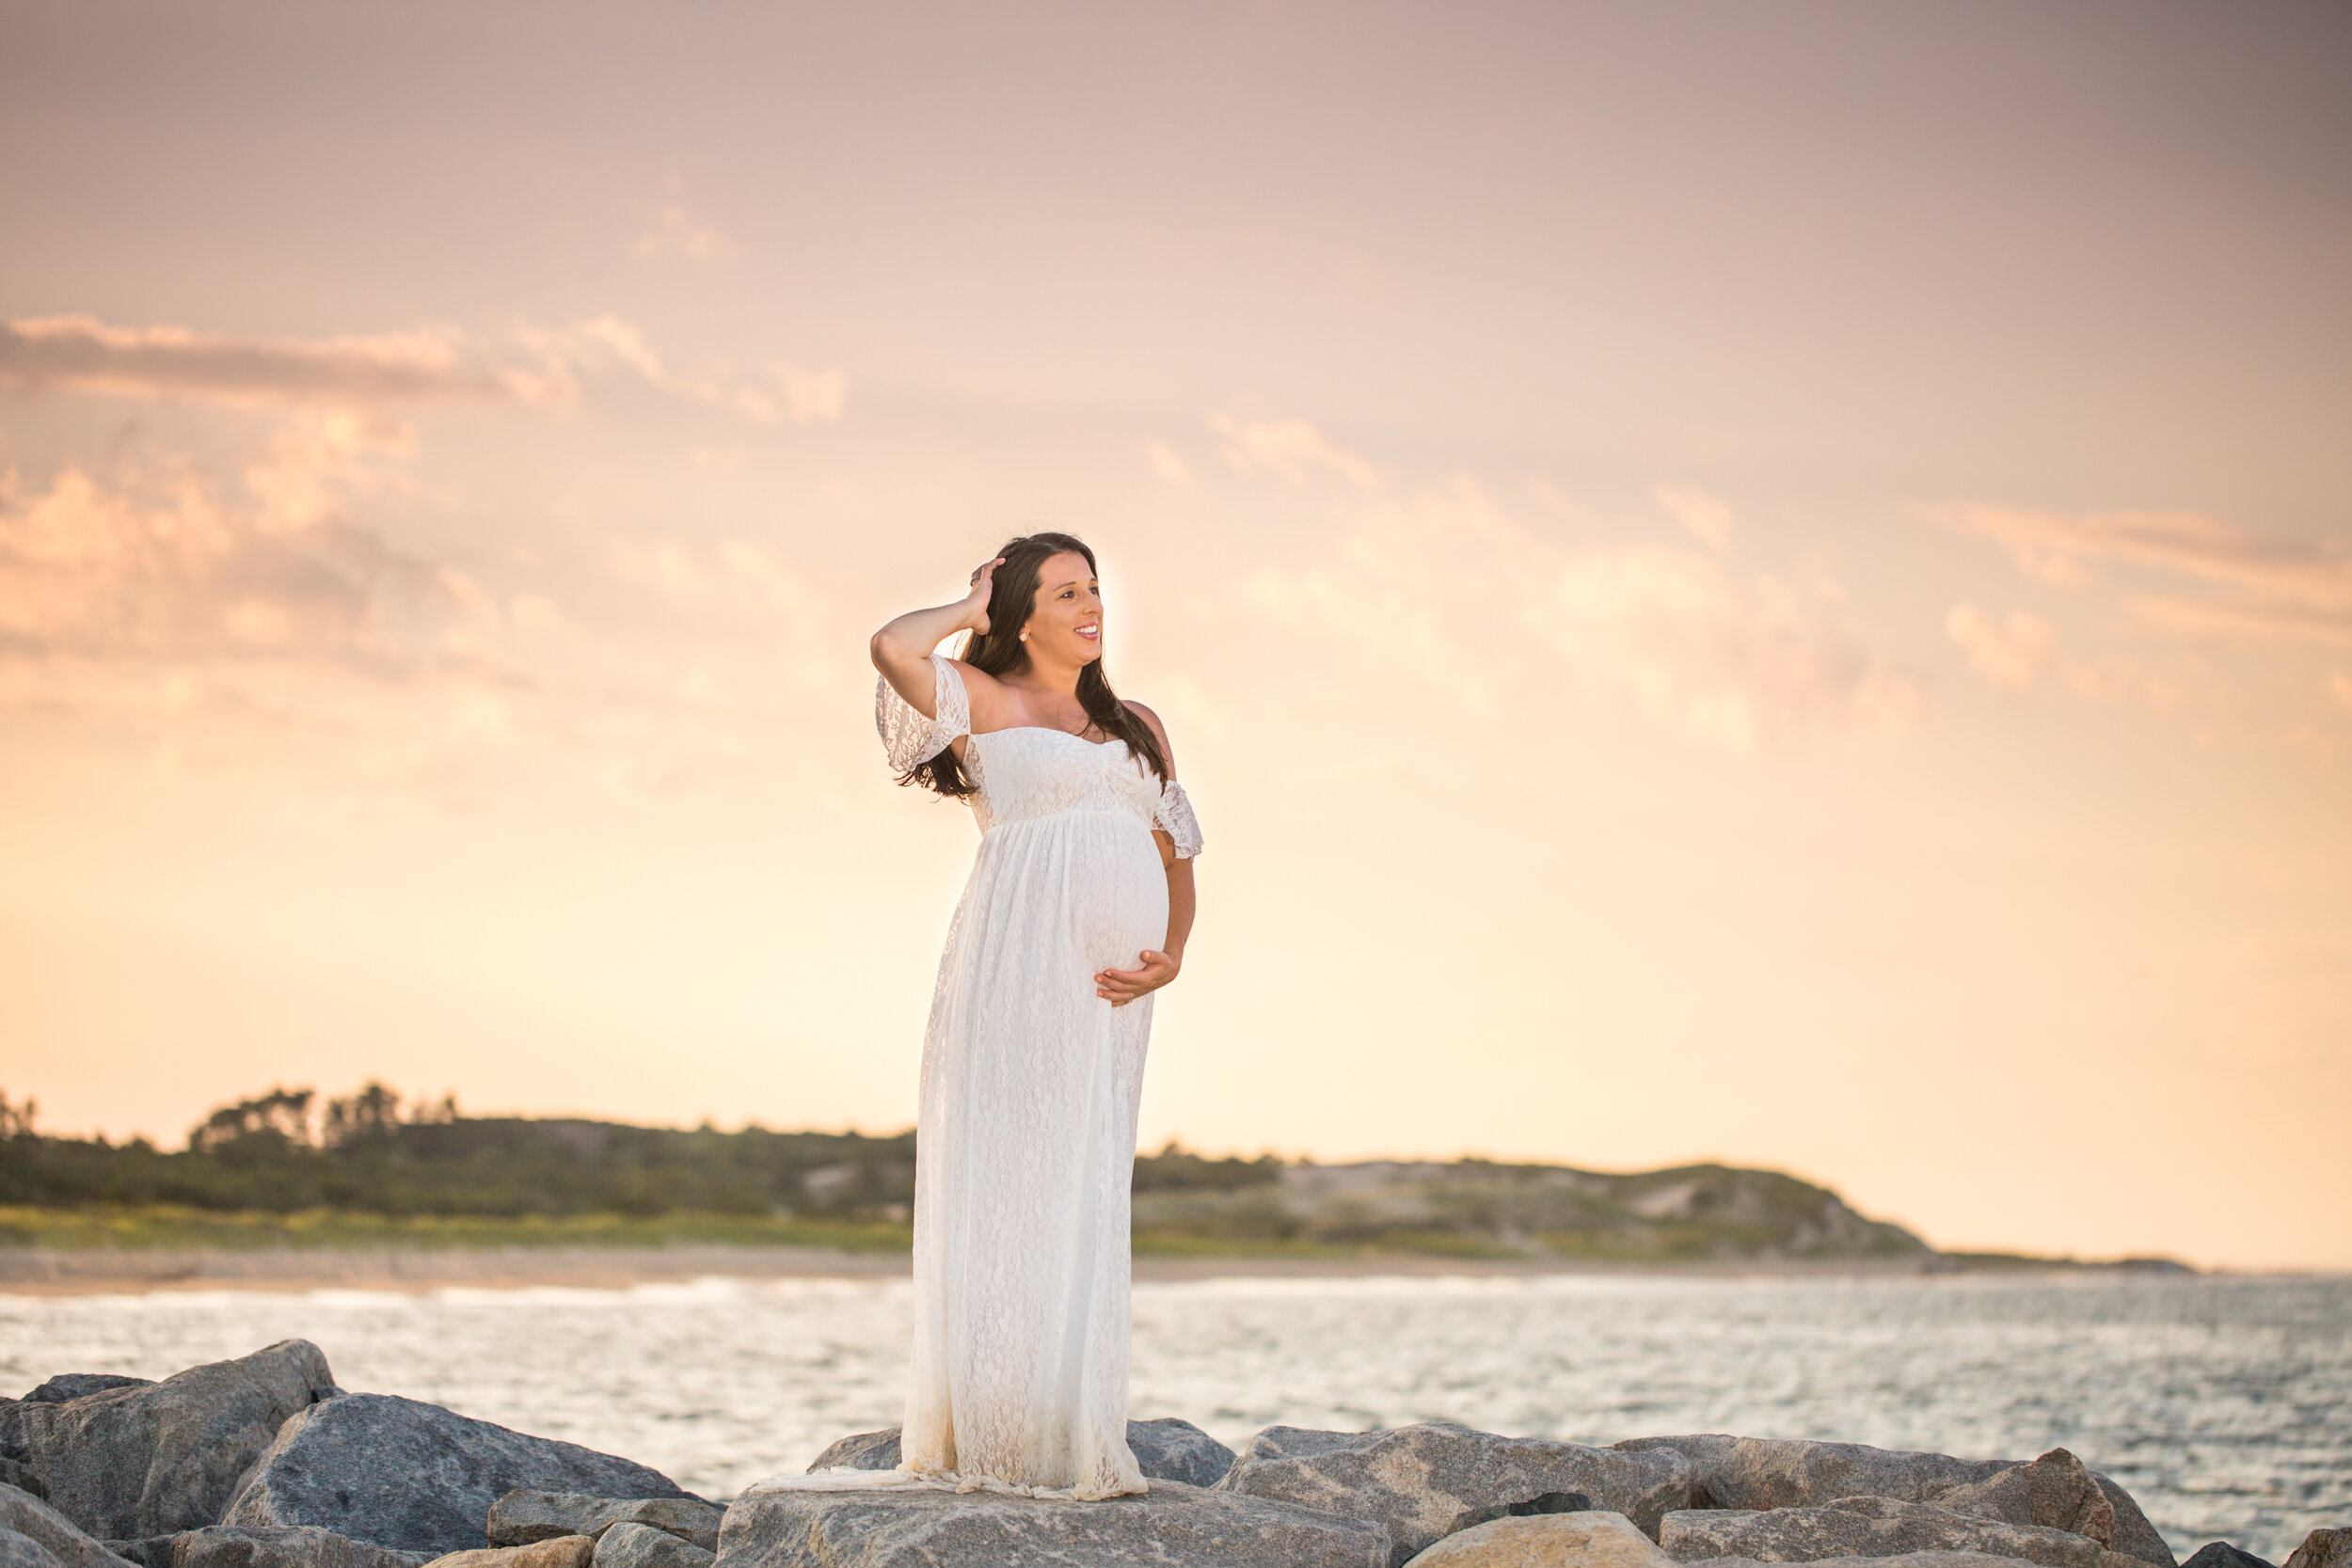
(1582, 1539)
(1783, 1472)
(74, 1385)
(522, 1517)
(142, 1459)
(22, 1551)
(242, 1546)
(2220, 1554)
(862, 1450)
(22, 1477)
(28, 1516)
(629, 1544)
(921, 1529)
(2134, 1535)
(1770, 1472)
(1168, 1449)
(1909, 1560)
(416, 1476)
(2323, 1548)
(1550, 1502)
(1417, 1481)
(1870, 1527)
(564, 1551)
(2054, 1490)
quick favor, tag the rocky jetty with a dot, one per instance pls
(264, 1462)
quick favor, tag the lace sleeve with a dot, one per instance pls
(909, 739)
(1173, 817)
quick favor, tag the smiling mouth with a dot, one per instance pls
(1089, 631)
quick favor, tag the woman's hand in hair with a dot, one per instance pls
(902, 650)
(975, 602)
(1122, 985)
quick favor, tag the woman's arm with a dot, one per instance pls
(902, 649)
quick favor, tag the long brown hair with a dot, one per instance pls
(999, 651)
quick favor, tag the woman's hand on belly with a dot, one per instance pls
(1122, 985)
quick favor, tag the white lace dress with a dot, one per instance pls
(1025, 1143)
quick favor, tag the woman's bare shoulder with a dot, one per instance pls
(986, 694)
(1159, 731)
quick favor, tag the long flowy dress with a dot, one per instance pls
(1027, 1132)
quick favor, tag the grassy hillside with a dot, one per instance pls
(289, 1169)
(1474, 1208)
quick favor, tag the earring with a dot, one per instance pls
(1025, 635)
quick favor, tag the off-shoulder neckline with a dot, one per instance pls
(1049, 729)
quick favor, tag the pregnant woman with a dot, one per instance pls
(1076, 911)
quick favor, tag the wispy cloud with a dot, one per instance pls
(87, 354)
(677, 234)
(2257, 585)
(1164, 465)
(388, 369)
(1292, 448)
(1714, 659)
(1446, 585)
(154, 596)
(268, 623)
(782, 392)
(2012, 654)
(1707, 518)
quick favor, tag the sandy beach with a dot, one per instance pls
(65, 1271)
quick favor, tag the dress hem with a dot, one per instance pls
(845, 1479)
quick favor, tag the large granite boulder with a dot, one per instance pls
(629, 1544)
(1871, 1527)
(416, 1476)
(142, 1459)
(912, 1528)
(74, 1385)
(2054, 1490)
(1427, 1481)
(1170, 1449)
(2220, 1554)
(241, 1546)
(1795, 1472)
(564, 1551)
(56, 1534)
(22, 1551)
(861, 1450)
(522, 1516)
(1586, 1538)
(1165, 1448)
(2323, 1548)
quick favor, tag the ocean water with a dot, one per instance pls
(2224, 1404)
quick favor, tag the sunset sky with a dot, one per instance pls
(1760, 582)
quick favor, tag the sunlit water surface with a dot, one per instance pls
(2224, 1404)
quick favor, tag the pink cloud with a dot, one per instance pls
(1452, 591)
(1292, 448)
(2259, 585)
(389, 370)
(87, 354)
(1707, 518)
(2013, 652)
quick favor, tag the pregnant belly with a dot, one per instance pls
(1118, 892)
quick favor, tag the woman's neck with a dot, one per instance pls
(1052, 680)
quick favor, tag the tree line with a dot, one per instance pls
(293, 1149)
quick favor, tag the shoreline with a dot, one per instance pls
(105, 1271)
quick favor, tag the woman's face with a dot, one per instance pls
(1066, 624)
